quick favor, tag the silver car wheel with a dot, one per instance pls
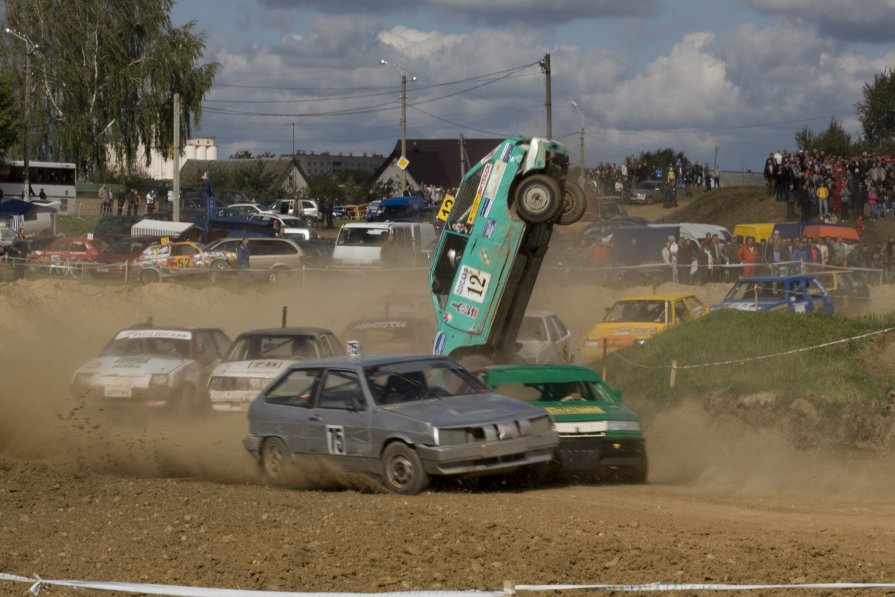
(273, 459)
(402, 470)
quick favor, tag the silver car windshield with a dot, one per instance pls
(425, 380)
(277, 346)
(148, 346)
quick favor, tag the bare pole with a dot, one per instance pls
(176, 176)
(30, 48)
(580, 138)
(403, 118)
(545, 68)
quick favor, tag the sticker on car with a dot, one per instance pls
(465, 309)
(472, 284)
(335, 440)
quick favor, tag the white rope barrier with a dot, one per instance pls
(37, 584)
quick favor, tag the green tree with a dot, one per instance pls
(877, 111)
(833, 141)
(661, 158)
(10, 123)
(105, 75)
(242, 154)
(256, 180)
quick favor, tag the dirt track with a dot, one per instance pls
(177, 503)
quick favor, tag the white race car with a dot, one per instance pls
(259, 356)
(152, 367)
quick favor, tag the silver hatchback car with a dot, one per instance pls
(403, 418)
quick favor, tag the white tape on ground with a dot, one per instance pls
(183, 591)
(38, 583)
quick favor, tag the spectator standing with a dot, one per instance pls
(122, 199)
(748, 256)
(150, 202)
(673, 250)
(823, 198)
(105, 207)
(716, 177)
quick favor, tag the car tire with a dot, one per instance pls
(538, 198)
(216, 270)
(574, 204)
(402, 470)
(277, 274)
(149, 276)
(636, 473)
(274, 459)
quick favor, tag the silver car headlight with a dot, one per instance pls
(158, 379)
(623, 426)
(450, 437)
(541, 425)
(83, 379)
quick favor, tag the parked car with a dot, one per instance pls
(8, 237)
(392, 334)
(340, 211)
(647, 192)
(371, 210)
(122, 254)
(66, 251)
(192, 206)
(489, 254)
(185, 258)
(112, 228)
(244, 209)
(399, 209)
(545, 338)
(800, 293)
(360, 244)
(258, 356)
(276, 256)
(291, 226)
(636, 319)
(302, 208)
(150, 367)
(598, 435)
(402, 418)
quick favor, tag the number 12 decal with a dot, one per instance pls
(335, 440)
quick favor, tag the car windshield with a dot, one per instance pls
(756, 291)
(397, 383)
(645, 310)
(122, 347)
(530, 329)
(292, 347)
(646, 185)
(563, 391)
(355, 237)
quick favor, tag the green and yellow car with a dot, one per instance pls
(598, 435)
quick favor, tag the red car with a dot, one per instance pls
(127, 250)
(66, 251)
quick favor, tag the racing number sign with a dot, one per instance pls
(445, 209)
(335, 440)
(472, 284)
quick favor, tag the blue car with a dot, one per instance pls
(490, 251)
(800, 293)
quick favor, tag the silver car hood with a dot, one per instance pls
(472, 409)
(133, 365)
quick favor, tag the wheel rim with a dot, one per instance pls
(401, 471)
(273, 461)
(537, 198)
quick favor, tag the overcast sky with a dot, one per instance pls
(739, 77)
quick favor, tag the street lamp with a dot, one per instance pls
(403, 117)
(30, 48)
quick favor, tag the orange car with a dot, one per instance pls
(66, 251)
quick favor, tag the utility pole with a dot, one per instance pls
(293, 141)
(580, 140)
(176, 190)
(545, 68)
(403, 118)
(464, 159)
(30, 48)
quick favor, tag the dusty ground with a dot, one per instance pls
(179, 503)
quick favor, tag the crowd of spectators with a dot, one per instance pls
(619, 179)
(831, 188)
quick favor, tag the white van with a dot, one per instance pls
(697, 232)
(360, 244)
(303, 208)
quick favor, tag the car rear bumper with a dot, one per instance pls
(488, 457)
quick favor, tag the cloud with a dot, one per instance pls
(865, 21)
(486, 12)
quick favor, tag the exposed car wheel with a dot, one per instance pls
(149, 276)
(274, 460)
(402, 470)
(216, 270)
(574, 204)
(277, 274)
(538, 198)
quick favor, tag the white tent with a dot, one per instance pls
(147, 227)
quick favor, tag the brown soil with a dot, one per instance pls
(175, 502)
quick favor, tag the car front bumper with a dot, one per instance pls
(231, 400)
(488, 456)
(127, 396)
(590, 454)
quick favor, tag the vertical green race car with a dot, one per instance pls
(497, 231)
(598, 435)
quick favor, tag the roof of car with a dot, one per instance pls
(777, 278)
(659, 296)
(286, 331)
(539, 313)
(371, 361)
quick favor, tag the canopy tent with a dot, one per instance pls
(17, 211)
(830, 231)
(181, 230)
(18, 207)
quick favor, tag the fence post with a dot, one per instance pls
(605, 351)
(673, 377)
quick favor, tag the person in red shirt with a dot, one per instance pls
(748, 255)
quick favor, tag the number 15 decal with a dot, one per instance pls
(335, 439)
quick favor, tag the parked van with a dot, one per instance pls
(302, 208)
(759, 232)
(697, 232)
(397, 209)
(360, 244)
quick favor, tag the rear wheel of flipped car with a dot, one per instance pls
(149, 276)
(574, 204)
(538, 198)
(402, 470)
(273, 459)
